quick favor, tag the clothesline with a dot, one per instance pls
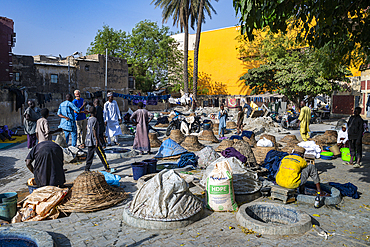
(137, 97)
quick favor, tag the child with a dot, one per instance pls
(239, 123)
(93, 142)
(43, 132)
(222, 116)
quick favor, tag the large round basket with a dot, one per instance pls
(260, 153)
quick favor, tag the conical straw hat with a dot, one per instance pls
(176, 135)
(289, 138)
(154, 142)
(192, 144)
(90, 192)
(224, 144)
(208, 135)
(230, 125)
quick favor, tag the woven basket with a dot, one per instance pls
(289, 138)
(208, 135)
(261, 152)
(366, 139)
(231, 125)
(269, 137)
(90, 193)
(154, 142)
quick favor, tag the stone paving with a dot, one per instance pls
(348, 223)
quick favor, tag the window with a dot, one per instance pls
(87, 67)
(17, 76)
(54, 78)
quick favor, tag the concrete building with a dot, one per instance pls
(47, 79)
(7, 42)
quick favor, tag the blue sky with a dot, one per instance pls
(63, 27)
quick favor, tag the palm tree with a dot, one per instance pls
(180, 10)
(200, 6)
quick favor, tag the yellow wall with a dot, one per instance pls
(218, 58)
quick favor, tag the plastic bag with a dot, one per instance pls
(264, 143)
(112, 180)
(220, 189)
(206, 156)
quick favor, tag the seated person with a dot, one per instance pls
(293, 172)
(342, 139)
(48, 168)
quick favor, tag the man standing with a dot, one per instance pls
(141, 117)
(67, 123)
(81, 120)
(355, 131)
(304, 119)
(222, 116)
(100, 118)
(112, 119)
(48, 168)
(30, 120)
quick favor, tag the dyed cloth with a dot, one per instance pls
(42, 130)
(347, 189)
(188, 159)
(112, 116)
(236, 137)
(232, 152)
(272, 162)
(247, 134)
(305, 118)
(67, 109)
(30, 124)
(141, 141)
(48, 167)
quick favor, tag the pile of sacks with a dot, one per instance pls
(263, 124)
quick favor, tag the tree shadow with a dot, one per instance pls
(7, 168)
(324, 166)
(60, 240)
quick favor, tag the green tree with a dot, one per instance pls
(150, 50)
(341, 25)
(180, 11)
(289, 70)
(107, 38)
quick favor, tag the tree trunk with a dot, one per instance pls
(186, 48)
(196, 52)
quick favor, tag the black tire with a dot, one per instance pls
(169, 128)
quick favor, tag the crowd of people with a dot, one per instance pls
(88, 126)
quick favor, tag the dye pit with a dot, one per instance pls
(16, 242)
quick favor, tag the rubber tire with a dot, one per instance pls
(169, 128)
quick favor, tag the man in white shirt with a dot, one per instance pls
(112, 119)
(342, 140)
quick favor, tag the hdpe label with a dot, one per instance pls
(219, 189)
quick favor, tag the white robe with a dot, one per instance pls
(112, 116)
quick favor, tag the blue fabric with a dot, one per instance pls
(169, 148)
(347, 189)
(73, 136)
(188, 159)
(247, 133)
(236, 137)
(272, 162)
(79, 103)
(111, 179)
(67, 109)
